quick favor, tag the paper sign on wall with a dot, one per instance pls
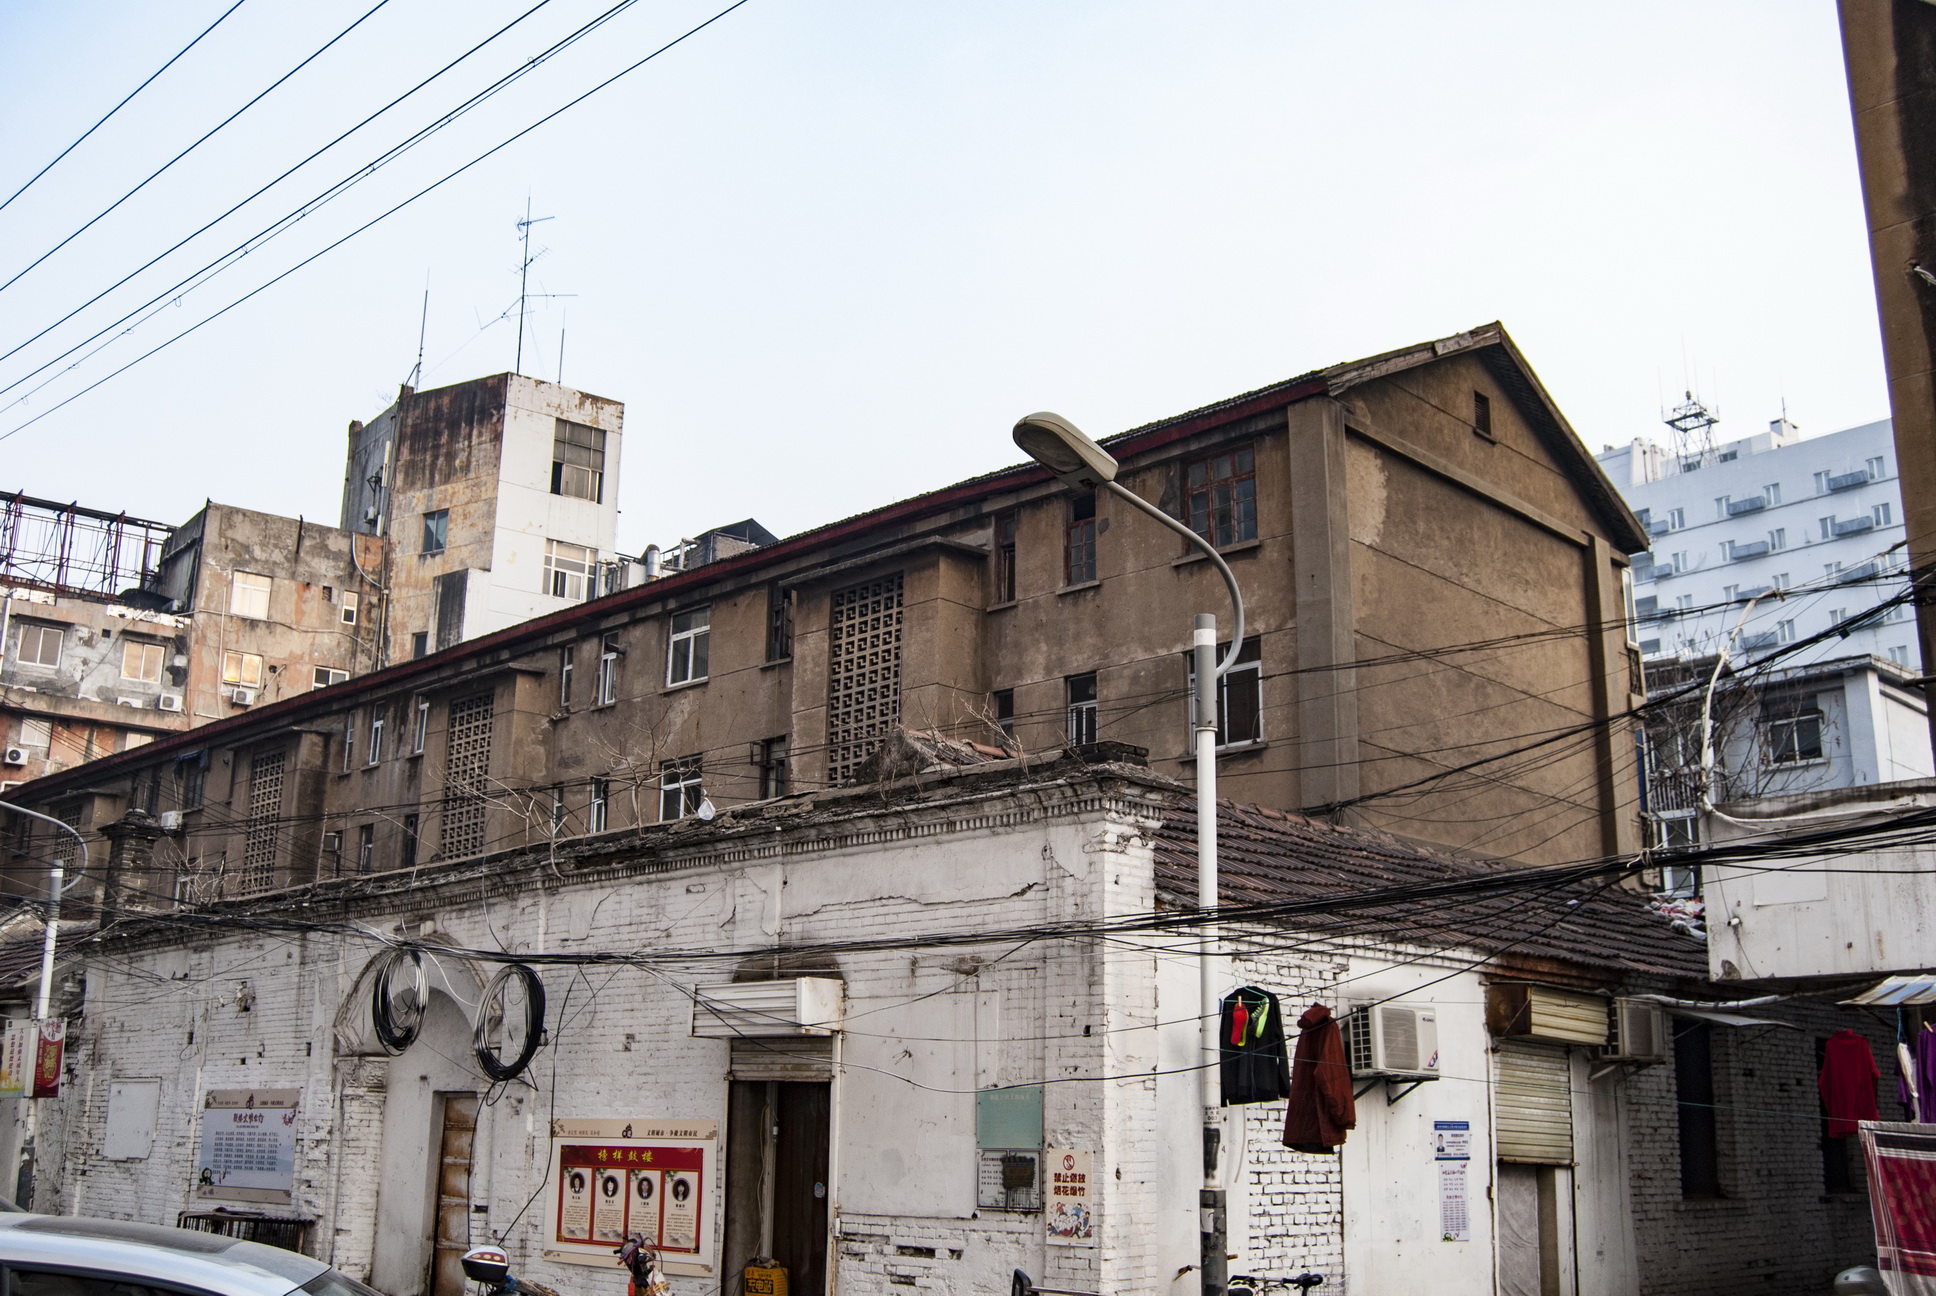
(16, 1056)
(612, 1179)
(248, 1145)
(1070, 1207)
(1452, 1151)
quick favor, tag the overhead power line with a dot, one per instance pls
(118, 107)
(206, 136)
(382, 216)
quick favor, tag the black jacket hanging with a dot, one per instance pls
(1250, 1039)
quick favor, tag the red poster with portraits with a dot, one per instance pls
(614, 1179)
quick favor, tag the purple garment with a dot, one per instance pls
(1925, 1073)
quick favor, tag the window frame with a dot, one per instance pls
(696, 640)
(365, 849)
(598, 812)
(1250, 662)
(349, 740)
(562, 465)
(1783, 732)
(242, 660)
(559, 572)
(146, 647)
(242, 581)
(322, 677)
(412, 840)
(567, 665)
(779, 623)
(1083, 716)
(1006, 528)
(379, 716)
(776, 778)
(682, 777)
(436, 531)
(1240, 504)
(420, 726)
(605, 687)
(351, 607)
(1482, 415)
(1079, 540)
(41, 631)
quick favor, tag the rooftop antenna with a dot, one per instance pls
(423, 324)
(524, 275)
(1693, 425)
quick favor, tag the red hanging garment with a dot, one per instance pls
(1847, 1082)
(1321, 1107)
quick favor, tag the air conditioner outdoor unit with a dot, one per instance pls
(1638, 1032)
(16, 756)
(169, 702)
(171, 820)
(751, 1009)
(1396, 1040)
(242, 696)
(136, 703)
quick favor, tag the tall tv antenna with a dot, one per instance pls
(1693, 425)
(524, 277)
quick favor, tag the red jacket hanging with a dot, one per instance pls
(1321, 1108)
(1847, 1082)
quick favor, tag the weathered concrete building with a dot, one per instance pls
(1434, 568)
(753, 1046)
(498, 500)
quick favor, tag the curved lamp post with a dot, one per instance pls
(1081, 464)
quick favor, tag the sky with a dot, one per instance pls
(826, 254)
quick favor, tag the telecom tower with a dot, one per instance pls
(1693, 425)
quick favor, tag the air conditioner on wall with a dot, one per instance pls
(1397, 1040)
(16, 756)
(242, 696)
(168, 702)
(171, 820)
(751, 1009)
(1637, 1032)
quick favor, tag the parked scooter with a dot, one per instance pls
(489, 1266)
(1862, 1280)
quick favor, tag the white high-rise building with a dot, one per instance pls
(1811, 525)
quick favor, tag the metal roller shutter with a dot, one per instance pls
(1533, 1104)
(783, 1059)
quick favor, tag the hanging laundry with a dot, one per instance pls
(1321, 1109)
(1906, 1077)
(1925, 1072)
(1848, 1082)
(1250, 1042)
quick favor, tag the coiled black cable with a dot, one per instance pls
(488, 1059)
(393, 1033)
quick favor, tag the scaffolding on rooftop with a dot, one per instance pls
(67, 549)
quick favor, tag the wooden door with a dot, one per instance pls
(455, 1147)
(800, 1187)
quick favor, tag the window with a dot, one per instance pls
(349, 742)
(1694, 1092)
(1630, 605)
(1792, 732)
(436, 531)
(194, 781)
(1082, 708)
(410, 839)
(566, 569)
(1784, 632)
(679, 787)
(1875, 468)
(1772, 493)
(1836, 616)
(249, 595)
(1721, 506)
(774, 780)
(689, 647)
(1684, 602)
(1821, 482)
(1882, 515)
(1730, 593)
(1005, 711)
(324, 676)
(566, 655)
(1781, 580)
(351, 604)
(141, 661)
(596, 817)
(578, 461)
(1005, 557)
(1240, 695)
(607, 682)
(779, 623)
(1778, 539)
(1681, 562)
(557, 811)
(36, 733)
(39, 645)
(1079, 540)
(242, 668)
(1828, 527)
(378, 714)
(1899, 654)
(419, 645)
(1482, 414)
(1832, 569)
(366, 849)
(1676, 518)
(1220, 497)
(332, 854)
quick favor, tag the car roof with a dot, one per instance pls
(224, 1265)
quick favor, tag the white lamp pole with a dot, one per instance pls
(1061, 447)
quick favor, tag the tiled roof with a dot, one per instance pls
(1273, 857)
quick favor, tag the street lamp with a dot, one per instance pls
(1081, 464)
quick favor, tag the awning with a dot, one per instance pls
(1899, 992)
(1728, 1019)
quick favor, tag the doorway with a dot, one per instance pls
(777, 1158)
(456, 1143)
